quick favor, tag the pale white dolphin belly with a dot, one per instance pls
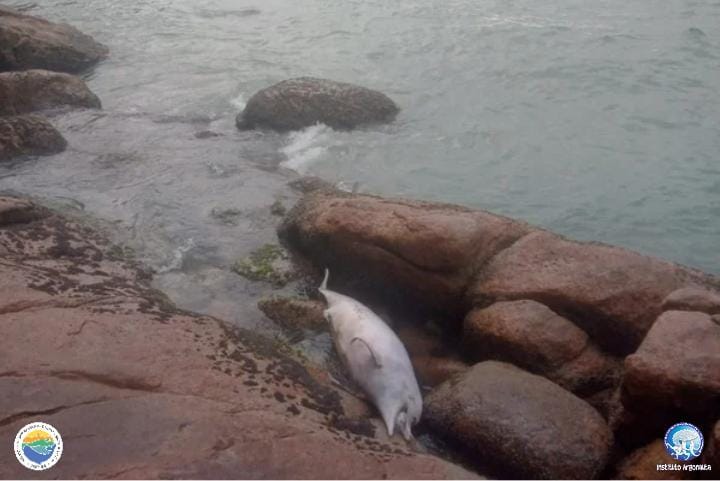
(376, 359)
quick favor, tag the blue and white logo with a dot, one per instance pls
(684, 441)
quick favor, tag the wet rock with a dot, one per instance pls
(693, 299)
(426, 251)
(642, 464)
(270, 263)
(28, 135)
(525, 333)
(28, 42)
(17, 211)
(180, 395)
(32, 90)
(434, 370)
(206, 134)
(302, 102)
(293, 313)
(278, 209)
(677, 367)
(611, 293)
(523, 424)
(309, 183)
(226, 216)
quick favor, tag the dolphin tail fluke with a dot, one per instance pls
(323, 286)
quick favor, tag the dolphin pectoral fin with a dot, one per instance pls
(375, 357)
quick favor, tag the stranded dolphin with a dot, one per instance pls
(376, 359)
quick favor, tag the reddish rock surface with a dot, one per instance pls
(428, 250)
(613, 294)
(693, 299)
(28, 135)
(523, 424)
(32, 90)
(297, 103)
(642, 464)
(677, 367)
(28, 42)
(525, 333)
(139, 389)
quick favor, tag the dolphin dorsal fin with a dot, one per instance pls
(375, 357)
(323, 286)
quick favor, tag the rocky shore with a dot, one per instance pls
(140, 389)
(36, 57)
(539, 356)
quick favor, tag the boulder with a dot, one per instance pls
(294, 313)
(434, 370)
(521, 423)
(28, 135)
(28, 42)
(32, 90)
(693, 299)
(141, 389)
(677, 367)
(428, 251)
(613, 294)
(593, 370)
(525, 333)
(297, 103)
(642, 464)
(17, 211)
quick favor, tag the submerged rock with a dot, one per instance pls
(28, 42)
(178, 394)
(17, 211)
(293, 313)
(270, 263)
(28, 135)
(302, 102)
(522, 424)
(32, 90)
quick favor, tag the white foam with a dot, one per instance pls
(305, 147)
(239, 101)
(178, 256)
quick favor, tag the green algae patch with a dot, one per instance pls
(270, 263)
(294, 312)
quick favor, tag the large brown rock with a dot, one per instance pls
(693, 299)
(643, 464)
(677, 367)
(525, 333)
(139, 389)
(711, 455)
(523, 424)
(301, 102)
(428, 250)
(613, 294)
(28, 42)
(28, 135)
(32, 90)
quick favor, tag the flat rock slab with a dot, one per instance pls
(140, 389)
(523, 424)
(28, 42)
(677, 367)
(32, 90)
(297, 103)
(28, 135)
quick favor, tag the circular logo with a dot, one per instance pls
(684, 441)
(38, 446)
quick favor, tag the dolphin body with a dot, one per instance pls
(376, 359)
